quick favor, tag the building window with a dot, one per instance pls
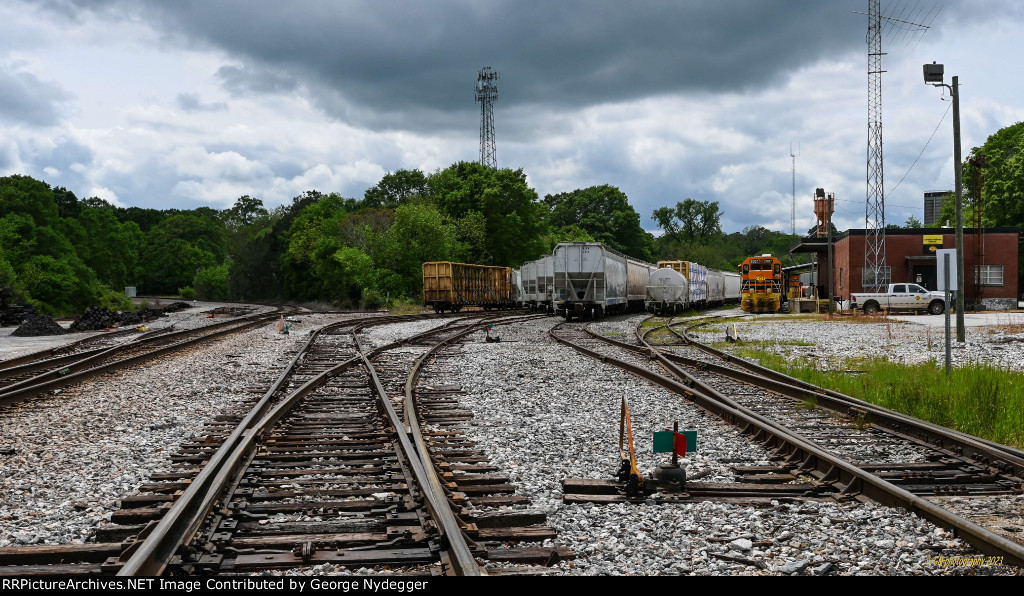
(884, 277)
(990, 275)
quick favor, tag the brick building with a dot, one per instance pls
(990, 259)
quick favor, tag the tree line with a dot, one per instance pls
(62, 254)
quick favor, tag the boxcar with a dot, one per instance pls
(452, 286)
(733, 285)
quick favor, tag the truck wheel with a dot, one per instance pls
(936, 308)
(870, 308)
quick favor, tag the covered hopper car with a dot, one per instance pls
(591, 279)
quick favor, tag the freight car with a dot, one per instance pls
(452, 286)
(538, 279)
(762, 284)
(591, 279)
(517, 288)
(668, 292)
(703, 287)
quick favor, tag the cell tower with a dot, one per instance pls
(486, 93)
(874, 277)
(874, 211)
(792, 214)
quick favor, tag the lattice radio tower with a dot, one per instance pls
(874, 277)
(874, 212)
(486, 94)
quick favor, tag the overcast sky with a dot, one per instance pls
(197, 102)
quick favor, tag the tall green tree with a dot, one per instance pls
(690, 220)
(41, 250)
(1002, 174)
(396, 188)
(512, 218)
(605, 214)
(419, 234)
(180, 246)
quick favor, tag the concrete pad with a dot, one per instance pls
(971, 319)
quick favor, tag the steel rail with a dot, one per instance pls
(68, 375)
(854, 480)
(184, 518)
(151, 556)
(1001, 457)
(435, 499)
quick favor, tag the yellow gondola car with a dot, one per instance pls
(761, 291)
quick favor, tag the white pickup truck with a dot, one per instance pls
(900, 297)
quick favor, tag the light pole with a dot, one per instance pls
(933, 76)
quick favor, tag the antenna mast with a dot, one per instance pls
(874, 212)
(486, 94)
(792, 214)
(874, 275)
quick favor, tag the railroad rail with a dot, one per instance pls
(801, 453)
(322, 468)
(33, 374)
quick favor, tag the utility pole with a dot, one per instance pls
(933, 75)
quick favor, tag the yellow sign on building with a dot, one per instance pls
(933, 240)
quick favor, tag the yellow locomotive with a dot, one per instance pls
(761, 291)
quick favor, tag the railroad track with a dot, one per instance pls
(34, 374)
(809, 442)
(321, 469)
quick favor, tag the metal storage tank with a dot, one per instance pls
(667, 291)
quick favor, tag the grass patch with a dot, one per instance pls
(981, 400)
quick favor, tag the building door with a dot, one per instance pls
(926, 276)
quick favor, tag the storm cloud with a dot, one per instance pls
(192, 102)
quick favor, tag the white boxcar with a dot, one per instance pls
(698, 279)
(716, 287)
(733, 283)
(667, 291)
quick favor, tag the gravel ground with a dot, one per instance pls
(898, 340)
(532, 406)
(70, 465)
(12, 346)
(548, 413)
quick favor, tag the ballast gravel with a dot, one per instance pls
(903, 339)
(543, 413)
(69, 456)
